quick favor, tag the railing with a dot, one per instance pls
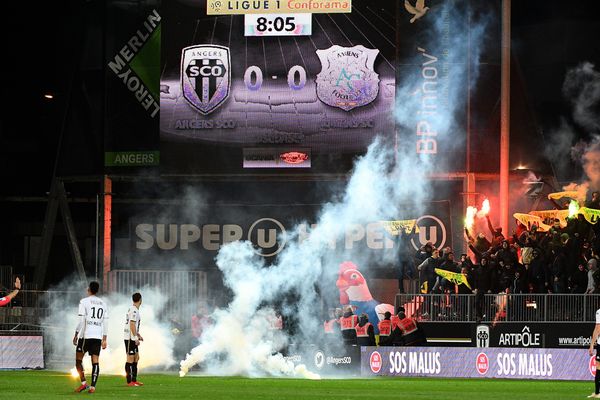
(30, 307)
(492, 308)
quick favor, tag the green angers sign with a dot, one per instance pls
(131, 158)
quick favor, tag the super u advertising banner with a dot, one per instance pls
(153, 241)
(274, 90)
(471, 362)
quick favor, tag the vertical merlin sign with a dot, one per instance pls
(132, 86)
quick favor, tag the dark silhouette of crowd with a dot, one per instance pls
(563, 259)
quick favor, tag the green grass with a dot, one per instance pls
(23, 385)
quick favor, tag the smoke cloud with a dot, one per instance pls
(582, 89)
(156, 351)
(384, 185)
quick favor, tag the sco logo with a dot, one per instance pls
(204, 71)
(431, 229)
(205, 76)
(266, 233)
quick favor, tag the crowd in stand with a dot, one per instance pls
(564, 259)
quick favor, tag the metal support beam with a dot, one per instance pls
(39, 276)
(505, 118)
(57, 198)
(70, 229)
(469, 199)
(106, 232)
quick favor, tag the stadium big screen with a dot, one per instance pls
(250, 90)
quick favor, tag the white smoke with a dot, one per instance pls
(582, 89)
(156, 351)
(382, 181)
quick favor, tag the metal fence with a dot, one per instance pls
(501, 307)
(184, 289)
(29, 308)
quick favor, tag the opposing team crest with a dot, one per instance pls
(347, 79)
(205, 76)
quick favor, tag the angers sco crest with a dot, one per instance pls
(347, 79)
(205, 76)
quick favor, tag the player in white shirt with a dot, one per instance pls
(132, 340)
(90, 334)
(595, 343)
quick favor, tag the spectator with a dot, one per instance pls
(594, 201)
(591, 276)
(423, 253)
(200, 321)
(465, 262)
(405, 261)
(579, 280)
(507, 253)
(6, 299)
(497, 236)
(427, 270)
(536, 272)
(558, 270)
(463, 288)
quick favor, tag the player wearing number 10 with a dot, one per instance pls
(90, 334)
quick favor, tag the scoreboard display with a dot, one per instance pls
(249, 89)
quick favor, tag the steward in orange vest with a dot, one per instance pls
(406, 331)
(385, 330)
(365, 333)
(332, 326)
(348, 322)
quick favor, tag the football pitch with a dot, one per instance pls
(22, 385)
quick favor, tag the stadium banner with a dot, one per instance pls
(18, 352)
(232, 7)
(509, 334)
(431, 77)
(327, 359)
(542, 335)
(132, 79)
(222, 91)
(450, 334)
(470, 362)
(165, 236)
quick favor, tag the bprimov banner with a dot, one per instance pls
(463, 362)
(232, 85)
(174, 237)
(440, 52)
